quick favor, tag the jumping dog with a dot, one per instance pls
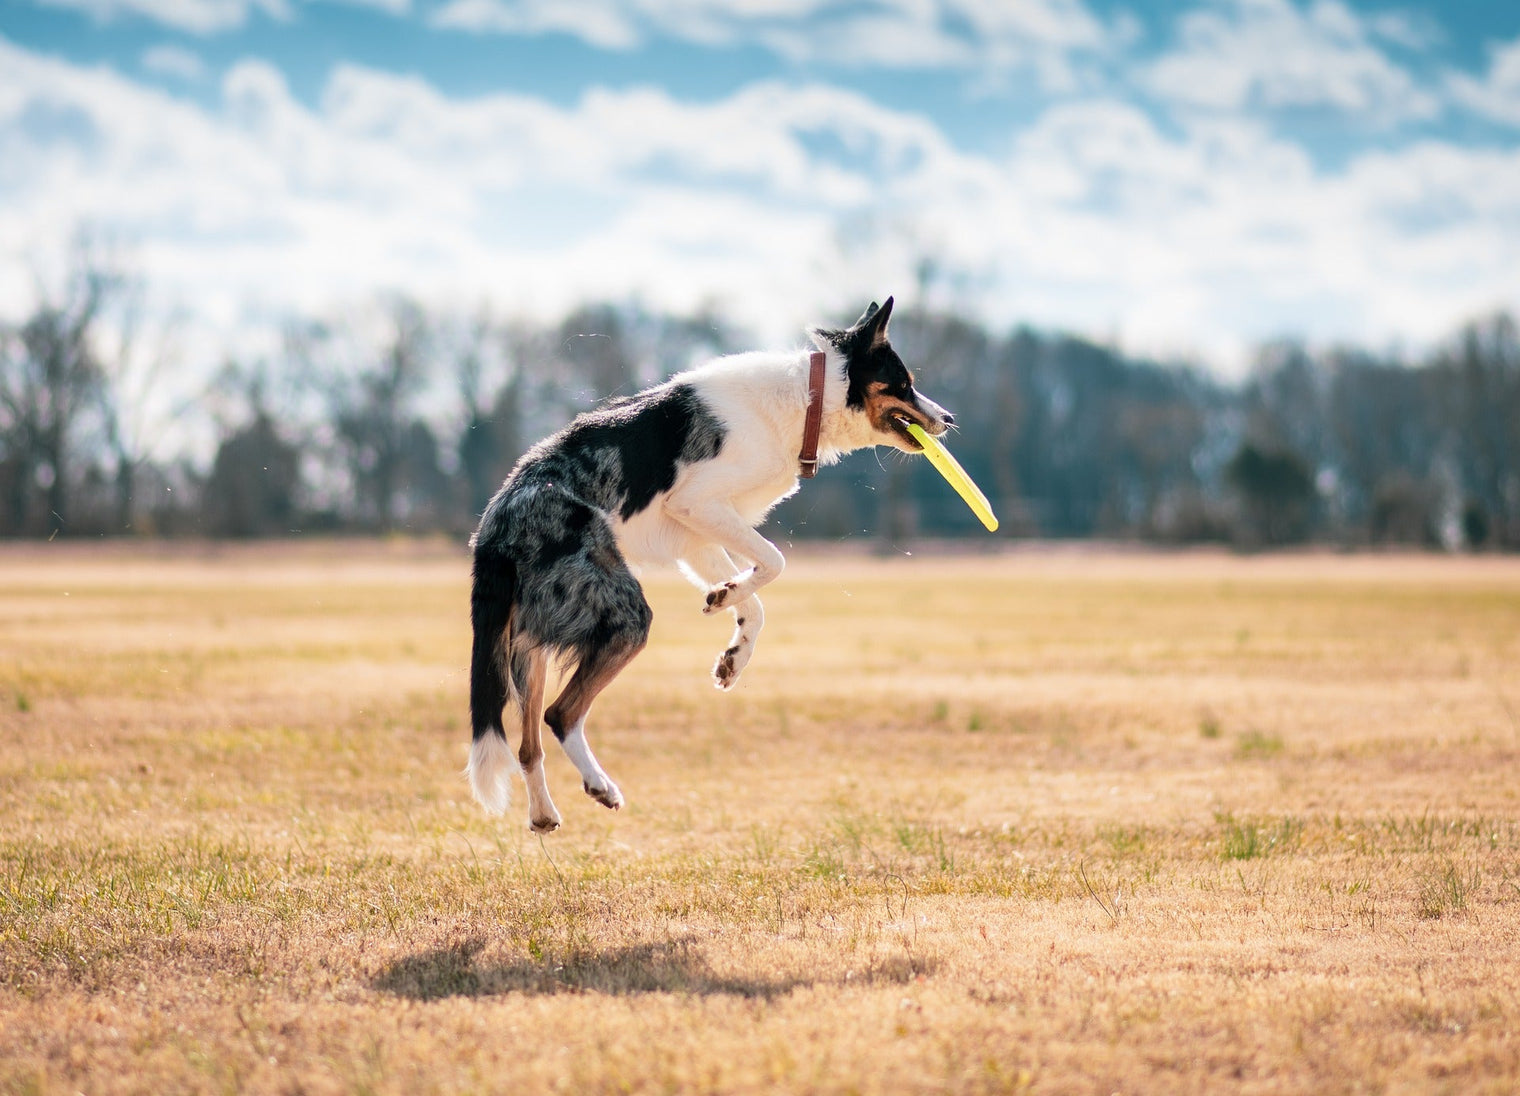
(682, 472)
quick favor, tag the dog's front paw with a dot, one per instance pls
(720, 596)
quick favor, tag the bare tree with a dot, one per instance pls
(255, 485)
(372, 396)
(254, 482)
(596, 356)
(1480, 376)
(613, 350)
(136, 414)
(1383, 438)
(489, 380)
(1284, 401)
(1277, 492)
(50, 379)
(17, 460)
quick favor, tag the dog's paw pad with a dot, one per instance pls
(726, 670)
(608, 797)
(719, 596)
(543, 825)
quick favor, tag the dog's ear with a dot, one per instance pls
(871, 328)
(823, 338)
(868, 331)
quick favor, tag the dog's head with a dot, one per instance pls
(880, 386)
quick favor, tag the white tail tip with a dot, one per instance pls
(490, 771)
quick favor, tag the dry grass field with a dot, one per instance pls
(1050, 821)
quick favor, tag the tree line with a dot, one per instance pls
(397, 419)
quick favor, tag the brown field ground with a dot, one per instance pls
(1057, 821)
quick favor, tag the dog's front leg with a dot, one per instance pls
(709, 566)
(719, 523)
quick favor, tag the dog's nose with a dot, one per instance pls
(949, 419)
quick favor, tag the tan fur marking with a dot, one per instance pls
(590, 678)
(882, 408)
(531, 748)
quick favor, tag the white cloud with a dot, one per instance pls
(992, 35)
(1411, 30)
(781, 203)
(389, 7)
(1272, 53)
(597, 22)
(1497, 96)
(205, 16)
(195, 16)
(174, 62)
(987, 35)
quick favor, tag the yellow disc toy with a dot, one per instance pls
(954, 474)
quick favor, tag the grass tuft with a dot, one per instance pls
(1445, 889)
(1251, 838)
(1254, 745)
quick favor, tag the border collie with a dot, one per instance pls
(682, 472)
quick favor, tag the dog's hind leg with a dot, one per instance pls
(542, 815)
(567, 715)
(709, 566)
(618, 619)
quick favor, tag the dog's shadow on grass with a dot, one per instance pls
(671, 966)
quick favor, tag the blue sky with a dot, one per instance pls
(1184, 178)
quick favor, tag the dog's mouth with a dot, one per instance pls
(900, 425)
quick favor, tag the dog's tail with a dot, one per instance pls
(495, 677)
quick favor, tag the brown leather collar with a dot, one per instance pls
(807, 460)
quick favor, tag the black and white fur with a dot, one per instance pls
(682, 472)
